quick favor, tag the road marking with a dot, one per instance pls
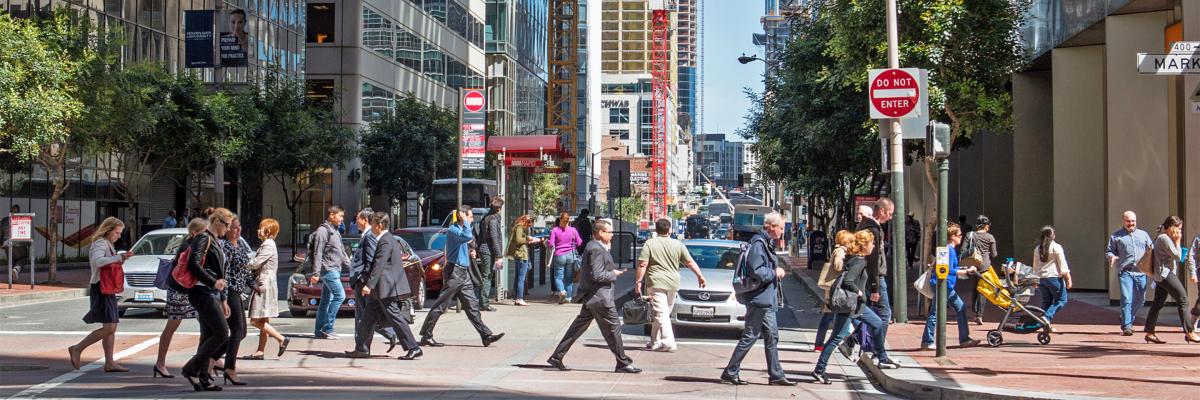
(67, 377)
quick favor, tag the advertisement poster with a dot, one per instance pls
(199, 51)
(235, 39)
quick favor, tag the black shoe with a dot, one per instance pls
(819, 377)
(392, 344)
(628, 369)
(1127, 332)
(487, 308)
(781, 382)
(968, 343)
(412, 355)
(233, 382)
(557, 364)
(358, 354)
(487, 341)
(733, 380)
(888, 364)
(283, 346)
(431, 343)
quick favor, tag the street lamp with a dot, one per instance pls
(592, 176)
(744, 59)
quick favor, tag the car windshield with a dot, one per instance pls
(158, 245)
(747, 219)
(715, 257)
(425, 240)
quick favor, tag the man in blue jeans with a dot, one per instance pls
(328, 259)
(878, 269)
(1126, 247)
(954, 236)
(761, 305)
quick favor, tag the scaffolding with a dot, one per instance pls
(561, 90)
(660, 70)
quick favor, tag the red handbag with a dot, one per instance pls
(182, 275)
(112, 278)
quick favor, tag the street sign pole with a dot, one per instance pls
(943, 208)
(899, 287)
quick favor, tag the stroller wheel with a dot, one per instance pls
(995, 338)
(1043, 338)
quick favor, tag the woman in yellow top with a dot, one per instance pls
(517, 240)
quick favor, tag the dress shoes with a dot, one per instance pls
(557, 364)
(489, 339)
(628, 369)
(488, 308)
(392, 345)
(358, 354)
(781, 382)
(733, 380)
(412, 354)
(429, 342)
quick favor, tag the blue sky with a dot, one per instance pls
(728, 27)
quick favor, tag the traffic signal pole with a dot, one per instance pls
(899, 286)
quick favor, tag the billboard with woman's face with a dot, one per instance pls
(235, 38)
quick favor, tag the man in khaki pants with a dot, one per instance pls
(661, 256)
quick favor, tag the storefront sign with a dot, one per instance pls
(523, 162)
(21, 227)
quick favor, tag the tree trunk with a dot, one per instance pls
(53, 162)
(251, 207)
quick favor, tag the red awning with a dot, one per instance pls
(533, 145)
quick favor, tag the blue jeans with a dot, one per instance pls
(1054, 295)
(883, 308)
(960, 313)
(522, 272)
(823, 328)
(564, 273)
(760, 321)
(332, 296)
(1133, 296)
(840, 331)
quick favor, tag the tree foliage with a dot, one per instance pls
(38, 84)
(406, 148)
(629, 209)
(547, 191)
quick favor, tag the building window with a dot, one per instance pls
(646, 141)
(408, 48)
(319, 91)
(434, 63)
(622, 134)
(618, 115)
(376, 102)
(377, 33)
(456, 73)
(320, 23)
(436, 9)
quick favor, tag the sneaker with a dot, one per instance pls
(968, 343)
(650, 346)
(847, 349)
(926, 346)
(818, 349)
(520, 302)
(665, 349)
(888, 364)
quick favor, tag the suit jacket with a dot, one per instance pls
(597, 276)
(388, 279)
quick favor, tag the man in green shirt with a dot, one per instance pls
(659, 261)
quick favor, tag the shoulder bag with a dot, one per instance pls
(181, 274)
(112, 276)
(922, 283)
(842, 301)
(971, 256)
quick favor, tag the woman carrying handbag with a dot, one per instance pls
(264, 303)
(178, 307)
(564, 239)
(103, 308)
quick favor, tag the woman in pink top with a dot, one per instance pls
(564, 239)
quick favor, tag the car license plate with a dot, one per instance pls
(703, 312)
(143, 296)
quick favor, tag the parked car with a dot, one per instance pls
(430, 242)
(540, 232)
(713, 306)
(643, 235)
(303, 297)
(142, 267)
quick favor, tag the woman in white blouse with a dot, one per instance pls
(103, 307)
(1050, 262)
(264, 302)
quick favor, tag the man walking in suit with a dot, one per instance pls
(596, 294)
(358, 264)
(458, 287)
(385, 284)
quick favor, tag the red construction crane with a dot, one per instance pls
(660, 71)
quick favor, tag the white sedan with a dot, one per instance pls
(713, 306)
(141, 269)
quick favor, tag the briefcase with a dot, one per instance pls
(637, 311)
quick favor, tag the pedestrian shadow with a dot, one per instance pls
(691, 379)
(329, 354)
(546, 367)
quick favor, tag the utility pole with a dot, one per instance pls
(937, 142)
(899, 287)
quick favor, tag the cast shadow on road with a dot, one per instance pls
(547, 367)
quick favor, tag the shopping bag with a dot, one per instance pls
(163, 278)
(112, 278)
(922, 284)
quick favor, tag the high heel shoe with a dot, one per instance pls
(1150, 338)
(159, 372)
(200, 384)
(233, 382)
(1191, 337)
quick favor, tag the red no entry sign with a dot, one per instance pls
(473, 101)
(894, 93)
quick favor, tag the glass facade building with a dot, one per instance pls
(516, 38)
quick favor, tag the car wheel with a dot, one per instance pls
(298, 313)
(419, 302)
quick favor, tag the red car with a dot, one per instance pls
(430, 240)
(303, 297)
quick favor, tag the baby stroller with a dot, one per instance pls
(1011, 294)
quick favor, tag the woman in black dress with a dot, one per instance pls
(103, 308)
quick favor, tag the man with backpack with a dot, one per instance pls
(757, 285)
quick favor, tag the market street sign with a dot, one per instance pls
(1184, 59)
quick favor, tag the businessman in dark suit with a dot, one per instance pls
(596, 294)
(386, 284)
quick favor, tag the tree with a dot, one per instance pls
(298, 141)
(547, 190)
(40, 65)
(402, 151)
(629, 209)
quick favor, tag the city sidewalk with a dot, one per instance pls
(72, 283)
(1088, 358)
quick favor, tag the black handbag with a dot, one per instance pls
(842, 301)
(637, 311)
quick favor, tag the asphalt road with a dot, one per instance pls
(33, 360)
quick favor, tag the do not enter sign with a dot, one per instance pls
(894, 93)
(473, 101)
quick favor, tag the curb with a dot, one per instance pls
(27, 298)
(932, 390)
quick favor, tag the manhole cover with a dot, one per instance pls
(21, 368)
